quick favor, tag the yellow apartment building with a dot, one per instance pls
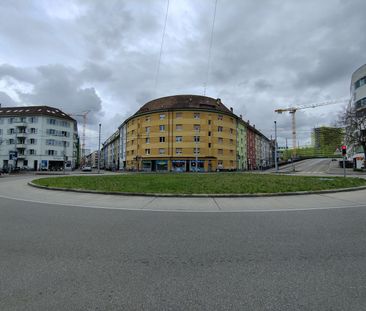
(181, 133)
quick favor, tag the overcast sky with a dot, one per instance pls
(102, 56)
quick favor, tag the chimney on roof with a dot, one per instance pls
(241, 116)
(218, 101)
(254, 125)
(231, 109)
(248, 122)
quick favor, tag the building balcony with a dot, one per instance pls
(21, 156)
(21, 146)
(21, 134)
(21, 124)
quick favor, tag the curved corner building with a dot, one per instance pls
(358, 89)
(180, 133)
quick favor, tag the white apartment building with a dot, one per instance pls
(358, 95)
(111, 151)
(38, 138)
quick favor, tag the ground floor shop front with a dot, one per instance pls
(181, 165)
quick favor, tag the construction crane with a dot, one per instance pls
(84, 115)
(292, 111)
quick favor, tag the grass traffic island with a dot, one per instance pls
(196, 184)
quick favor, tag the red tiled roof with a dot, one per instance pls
(33, 111)
(184, 102)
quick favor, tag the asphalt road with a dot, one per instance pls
(55, 257)
(309, 166)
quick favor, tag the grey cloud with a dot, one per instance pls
(61, 87)
(21, 74)
(6, 100)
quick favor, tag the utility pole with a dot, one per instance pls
(196, 139)
(100, 127)
(65, 157)
(276, 147)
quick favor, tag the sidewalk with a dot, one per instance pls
(334, 169)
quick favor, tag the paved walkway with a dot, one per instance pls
(18, 189)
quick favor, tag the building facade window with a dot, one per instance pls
(178, 115)
(196, 115)
(178, 151)
(220, 151)
(147, 140)
(52, 152)
(162, 116)
(178, 138)
(196, 138)
(147, 129)
(360, 82)
(161, 150)
(147, 151)
(220, 117)
(162, 128)
(196, 150)
(196, 127)
(220, 128)
(162, 139)
(178, 127)
(220, 140)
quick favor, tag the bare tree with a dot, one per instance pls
(354, 122)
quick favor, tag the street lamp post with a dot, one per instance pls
(276, 147)
(196, 140)
(100, 127)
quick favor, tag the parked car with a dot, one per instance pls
(86, 168)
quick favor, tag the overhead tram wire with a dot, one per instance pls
(210, 51)
(161, 48)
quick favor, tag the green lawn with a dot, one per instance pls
(216, 183)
